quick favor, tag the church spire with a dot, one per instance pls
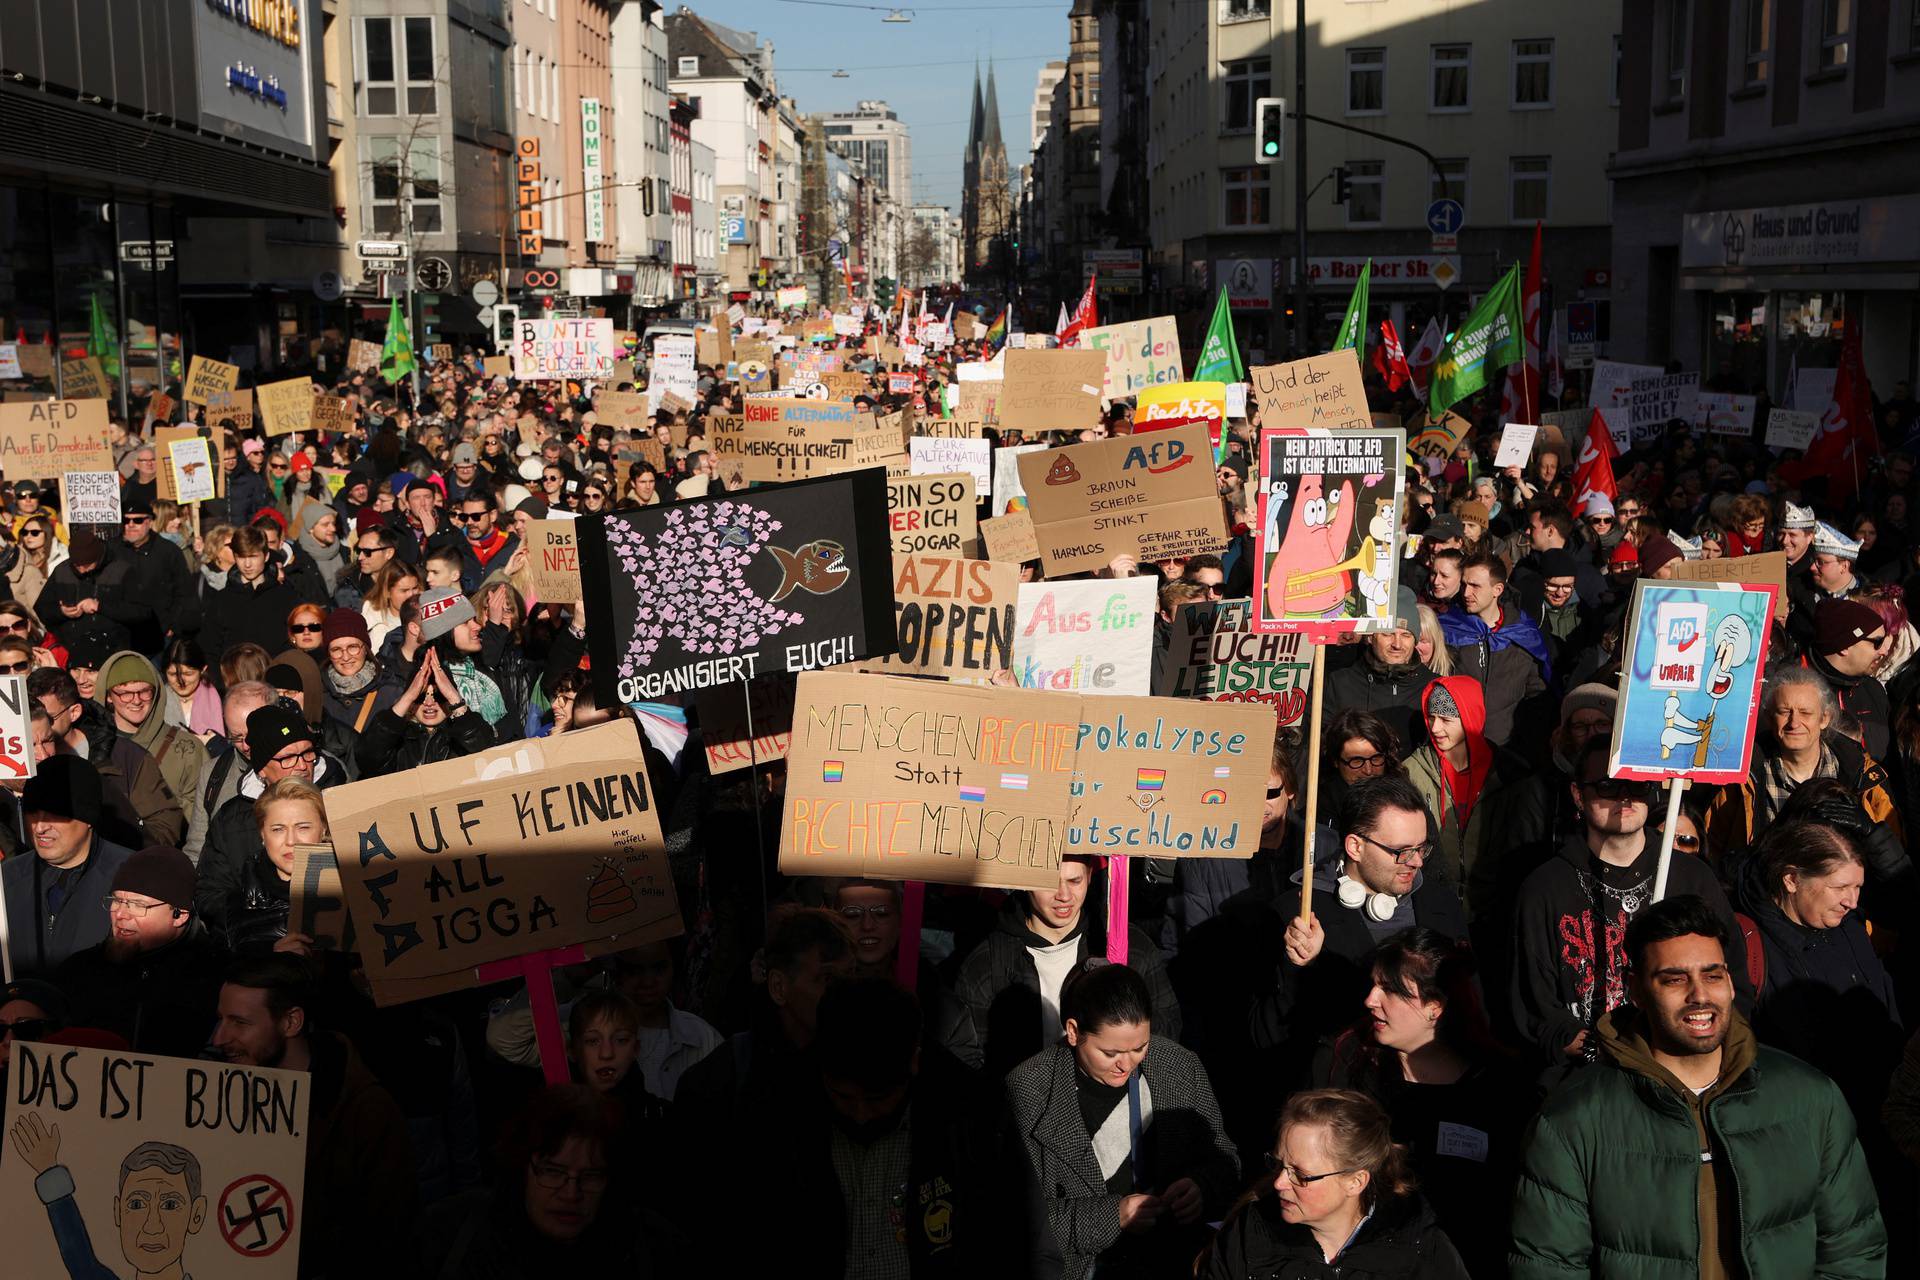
(973, 128)
(991, 134)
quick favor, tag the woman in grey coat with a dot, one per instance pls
(1125, 1160)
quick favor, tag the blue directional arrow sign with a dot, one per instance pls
(1445, 217)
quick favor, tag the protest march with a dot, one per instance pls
(754, 799)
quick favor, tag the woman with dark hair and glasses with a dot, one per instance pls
(1338, 1198)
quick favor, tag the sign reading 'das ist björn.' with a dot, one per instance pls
(1151, 497)
(718, 590)
(524, 847)
(1328, 538)
(905, 779)
(43, 439)
(147, 1166)
(1216, 654)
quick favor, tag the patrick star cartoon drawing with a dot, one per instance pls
(1307, 571)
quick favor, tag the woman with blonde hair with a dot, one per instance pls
(252, 916)
(1338, 1197)
(1432, 644)
(39, 553)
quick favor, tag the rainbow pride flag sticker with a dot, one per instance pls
(832, 770)
(1013, 781)
(975, 794)
(1216, 796)
(1150, 779)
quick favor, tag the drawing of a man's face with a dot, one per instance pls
(156, 1211)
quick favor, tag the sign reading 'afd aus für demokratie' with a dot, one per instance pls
(714, 592)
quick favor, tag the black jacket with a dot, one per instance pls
(159, 585)
(248, 494)
(233, 844)
(391, 745)
(1393, 694)
(42, 937)
(162, 1001)
(1401, 1241)
(110, 625)
(253, 917)
(239, 613)
(1866, 698)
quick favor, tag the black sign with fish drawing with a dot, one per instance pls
(714, 591)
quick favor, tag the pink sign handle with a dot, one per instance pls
(913, 909)
(1117, 868)
(537, 969)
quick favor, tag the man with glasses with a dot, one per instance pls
(279, 744)
(143, 478)
(1568, 969)
(1388, 676)
(1850, 641)
(157, 583)
(151, 813)
(155, 979)
(54, 891)
(374, 547)
(129, 687)
(486, 549)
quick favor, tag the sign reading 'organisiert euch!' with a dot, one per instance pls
(717, 591)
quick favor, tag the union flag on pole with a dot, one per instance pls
(1425, 352)
(1593, 471)
(1392, 359)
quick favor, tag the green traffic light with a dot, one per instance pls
(1270, 148)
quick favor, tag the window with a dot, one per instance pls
(1367, 202)
(1452, 76)
(1242, 10)
(1448, 181)
(389, 172)
(517, 77)
(1528, 178)
(1532, 74)
(1248, 193)
(420, 78)
(1836, 20)
(1244, 84)
(382, 99)
(1366, 82)
(1679, 15)
(688, 66)
(1758, 41)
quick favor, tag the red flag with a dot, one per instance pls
(1556, 371)
(1394, 360)
(1593, 472)
(1424, 354)
(1060, 327)
(1085, 316)
(1845, 439)
(1520, 402)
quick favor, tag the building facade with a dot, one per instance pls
(1764, 199)
(730, 74)
(873, 135)
(640, 198)
(987, 213)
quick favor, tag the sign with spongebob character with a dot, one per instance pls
(1329, 535)
(125, 1166)
(719, 590)
(526, 847)
(1690, 685)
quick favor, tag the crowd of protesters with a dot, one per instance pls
(1486, 1051)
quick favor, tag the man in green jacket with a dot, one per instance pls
(1693, 1150)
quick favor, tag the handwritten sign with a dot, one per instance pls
(1329, 535)
(1176, 404)
(1724, 414)
(1151, 497)
(363, 356)
(1094, 635)
(152, 1166)
(232, 408)
(1790, 428)
(1010, 537)
(1768, 568)
(945, 456)
(959, 425)
(1319, 391)
(740, 731)
(194, 468)
(553, 559)
(1652, 402)
(931, 513)
(497, 366)
(776, 440)
(317, 904)
(524, 847)
(563, 348)
(1052, 390)
(44, 439)
(84, 379)
(206, 376)
(1009, 494)
(1516, 444)
(1140, 354)
(953, 616)
(16, 729)
(90, 497)
(1214, 653)
(286, 406)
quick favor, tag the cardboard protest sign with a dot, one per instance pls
(329, 412)
(845, 386)
(1151, 497)
(1010, 537)
(205, 376)
(36, 359)
(1690, 677)
(1767, 568)
(153, 1166)
(571, 347)
(1790, 429)
(965, 784)
(43, 439)
(1654, 401)
(626, 410)
(946, 456)
(718, 590)
(1215, 653)
(967, 326)
(497, 366)
(931, 513)
(84, 379)
(231, 407)
(1439, 437)
(1319, 391)
(778, 440)
(160, 407)
(1094, 635)
(16, 729)
(362, 356)
(1328, 541)
(196, 471)
(959, 425)
(979, 400)
(286, 407)
(900, 384)
(1008, 493)
(1516, 444)
(1140, 354)
(746, 724)
(536, 844)
(674, 369)
(10, 360)
(1613, 380)
(1178, 403)
(953, 616)
(1052, 390)
(553, 559)
(317, 903)
(1724, 414)
(90, 497)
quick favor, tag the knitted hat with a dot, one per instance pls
(441, 611)
(67, 787)
(1558, 563)
(51, 999)
(1406, 610)
(345, 624)
(1656, 555)
(367, 518)
(88, 652)
(1441, 703)
(533, 507)
(1797, 517)
(268, 515)
(125, 668)
(1589, 697)
(530, 470)
(1828, 540)
(299, 461)
(1838, 625)
(253, 444)
(1598, 504)
(272, 729)
(285, 679)
(1623, 553)
(158, 872)
(1476, 512)
(86, 548)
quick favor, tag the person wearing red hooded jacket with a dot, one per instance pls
(1460, 773)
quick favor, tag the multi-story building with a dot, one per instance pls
(730, 73)
(785, 265)
(933, 237)
(1050, 75)
(1763, 192)
(1069, 167)
(872, 134)
(706, 232)
(987, 209)
(1124, 109)
(686, 269)
(639, 199)
(1508, 97)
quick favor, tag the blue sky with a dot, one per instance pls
(890, 60)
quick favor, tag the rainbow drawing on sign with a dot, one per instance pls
(1215, 796)
(1013, 781)
(1150, 779)
(832, 770)
(973, 793)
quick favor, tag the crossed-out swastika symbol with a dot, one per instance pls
(256, 1215)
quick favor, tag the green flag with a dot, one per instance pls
(102, 342)
(396, 354)
(1488, 340)
(1353, 329)
(1220, 353)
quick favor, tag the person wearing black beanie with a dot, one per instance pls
(54, 896)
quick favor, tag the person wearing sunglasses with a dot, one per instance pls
(304, 627)
(485, 547)
(38, 554)
(1563, 984)
(1337, 1195)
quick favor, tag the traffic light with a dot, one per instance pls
(883, 292)
(1342, 186)
(1269, 130)
(506, 319)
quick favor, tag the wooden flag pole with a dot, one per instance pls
(1676, 787)
(1313, 781)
